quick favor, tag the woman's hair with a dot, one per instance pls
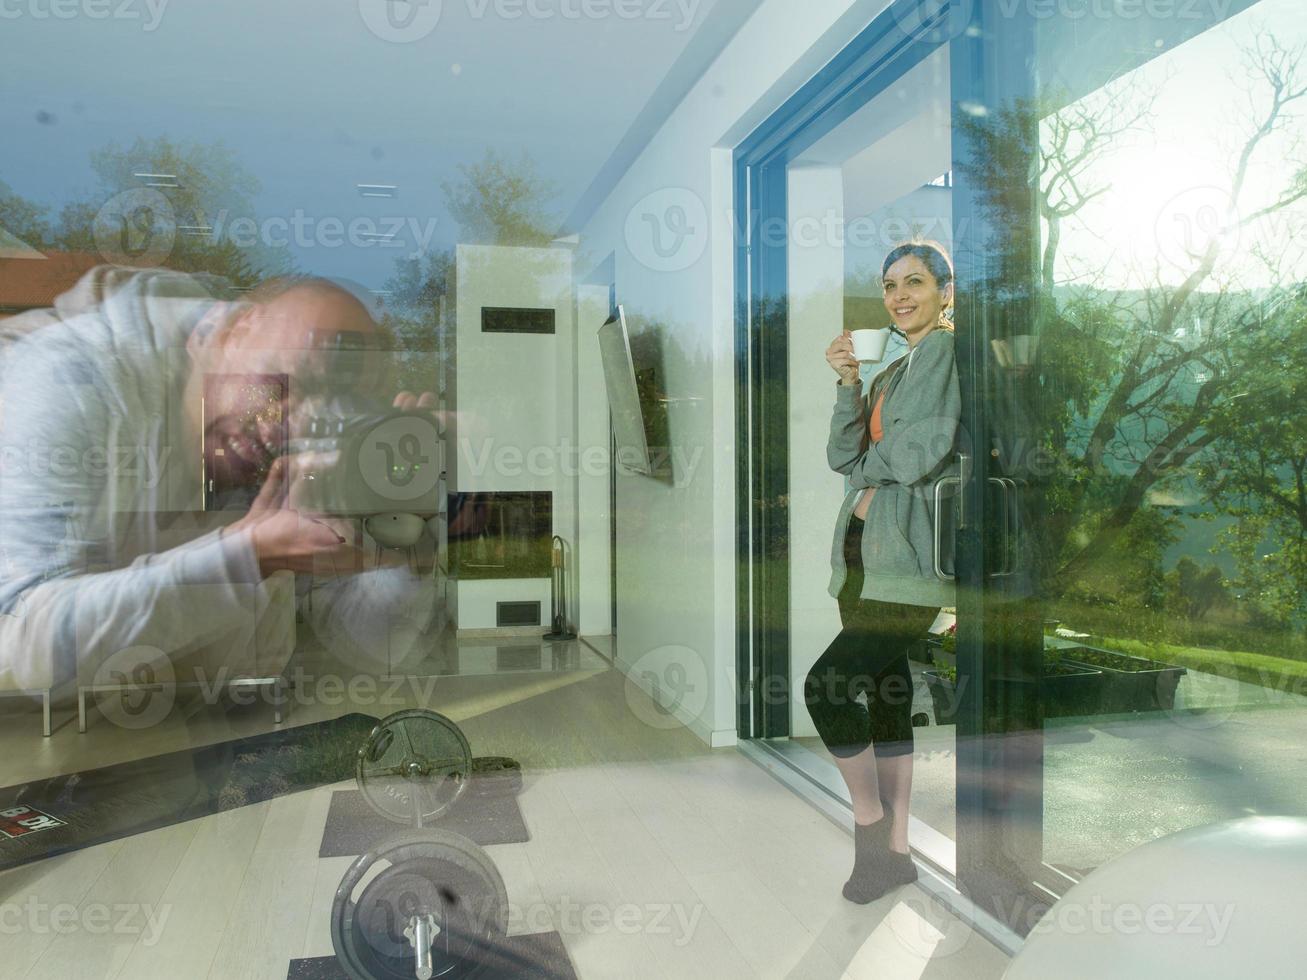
(934, 258)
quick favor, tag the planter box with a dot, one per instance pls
(931, 651)
(942, 696)
(1129, 684)
(1067, 690)
(1071, 690)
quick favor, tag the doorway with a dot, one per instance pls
(1119, 272)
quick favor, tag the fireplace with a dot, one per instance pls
(500, 535)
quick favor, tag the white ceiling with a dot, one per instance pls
(312, 101)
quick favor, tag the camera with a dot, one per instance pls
(353, 457)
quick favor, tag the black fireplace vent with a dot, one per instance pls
(517, 614)
(500, 319)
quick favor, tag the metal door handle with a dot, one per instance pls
(939, 525)
(1009, 548)
(1011, 523)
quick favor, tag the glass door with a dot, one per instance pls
(1135, 267)
(857, 163)
(1124, 197)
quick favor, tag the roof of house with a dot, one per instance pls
(33, 283)
(13, 247)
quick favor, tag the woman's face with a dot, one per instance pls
(913, 297)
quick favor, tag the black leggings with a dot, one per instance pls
(869, 658)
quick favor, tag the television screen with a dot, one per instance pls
(624, 395)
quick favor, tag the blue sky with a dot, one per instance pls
(312, 101)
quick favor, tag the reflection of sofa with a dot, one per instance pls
(254, 653)
(39, 685)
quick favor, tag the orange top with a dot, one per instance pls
(877, 432)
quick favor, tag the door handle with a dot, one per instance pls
(964, 465)
(1011, 523)
(939, 525)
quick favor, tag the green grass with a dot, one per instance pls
(1260, 669)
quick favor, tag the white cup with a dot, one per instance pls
(869, 343)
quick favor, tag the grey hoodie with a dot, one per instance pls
(94, 452)
(920, 420)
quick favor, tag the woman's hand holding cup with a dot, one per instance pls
(839, 355)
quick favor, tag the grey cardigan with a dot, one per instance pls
(920, 421)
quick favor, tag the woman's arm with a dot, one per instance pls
(920, 435)
(848, 428)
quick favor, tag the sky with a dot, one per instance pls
(316, 96)
(1167, 187)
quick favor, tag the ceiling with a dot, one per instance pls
(314, 98)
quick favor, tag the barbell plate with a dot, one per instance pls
(439, 872)
(414, 752)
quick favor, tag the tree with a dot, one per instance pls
(25, 220)
(1194, 589)
(211, 189)
(496, 202)
(1258, 474)
(1127, 401)
(501, 202)
(210, 186)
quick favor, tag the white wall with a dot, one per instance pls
(514, 406)
(515, 414)
(477, 599)
(591, 601)
(677, 544)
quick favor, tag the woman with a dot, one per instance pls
(893, 445)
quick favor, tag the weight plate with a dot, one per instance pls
(391, 901)
(413, 754)
(428, 872)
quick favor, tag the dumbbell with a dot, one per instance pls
(424, 903)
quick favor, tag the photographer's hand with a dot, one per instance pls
(284, 538)
(407, 401)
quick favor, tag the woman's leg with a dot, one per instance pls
(889, 709)
(831, 692)
(862, 776)
(894, 776)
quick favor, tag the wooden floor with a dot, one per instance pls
(651, 855)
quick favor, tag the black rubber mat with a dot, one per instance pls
(487, 817)
(66, 813)
(542, 955)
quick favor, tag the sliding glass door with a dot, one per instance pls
(1134, 265)
(1125, 198)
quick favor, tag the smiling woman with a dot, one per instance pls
(893, 446)
(918, 281)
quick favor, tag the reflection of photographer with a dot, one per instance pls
(150, 366)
